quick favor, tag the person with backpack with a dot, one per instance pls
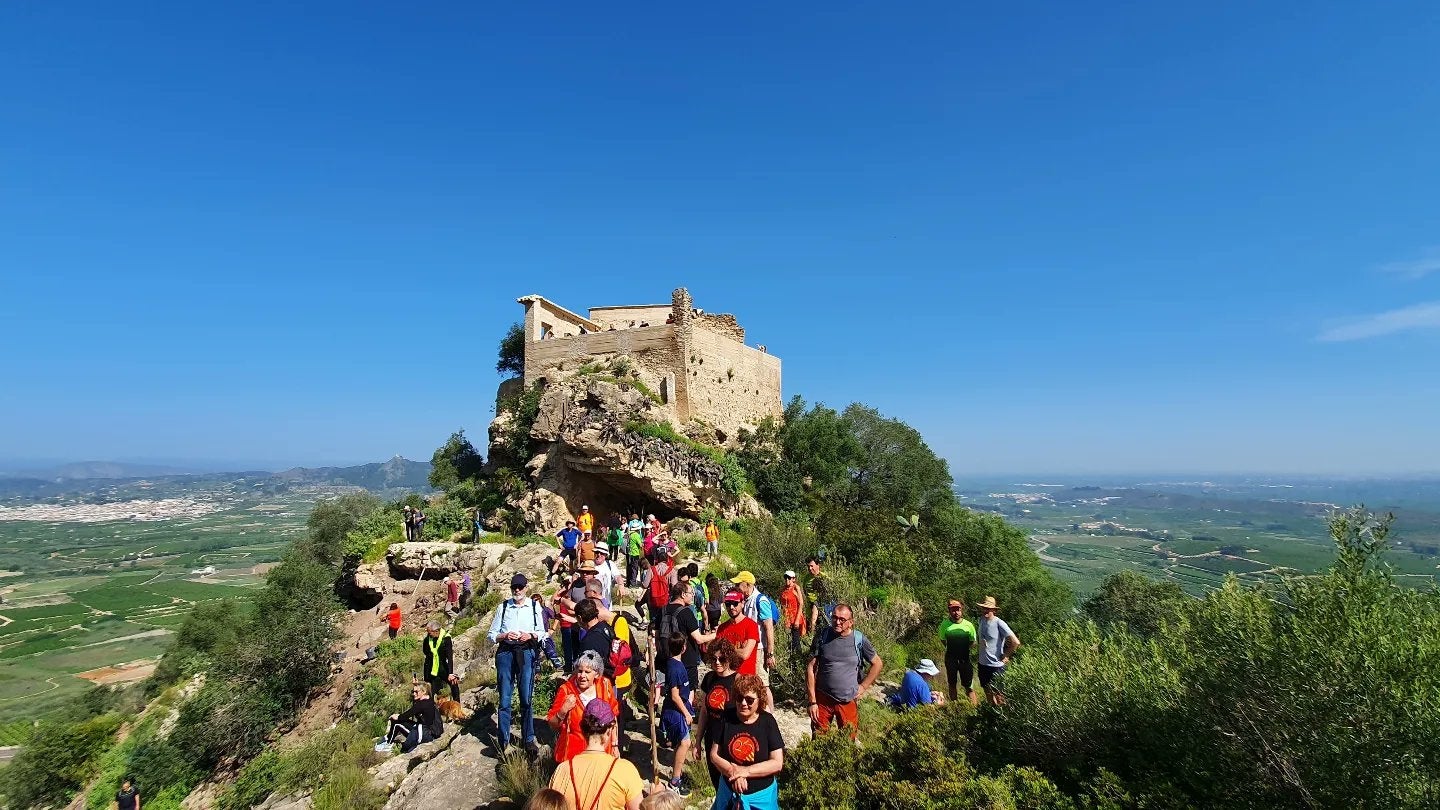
(677, 716)
(658, 570)
(128, 796)
(439, 661)
(593, 634)
(419, 518)
(679, 617)
(837, 673)
(622, 659)
(762, 609)
(634, 554)
(518, 631)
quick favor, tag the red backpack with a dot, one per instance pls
(660, 585)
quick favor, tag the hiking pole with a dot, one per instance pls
(653, 710)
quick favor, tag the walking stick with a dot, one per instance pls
(653, 711)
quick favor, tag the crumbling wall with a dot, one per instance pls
(730, 385)
(621, 316)
(723, 324)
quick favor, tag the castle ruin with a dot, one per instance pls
(697, 362)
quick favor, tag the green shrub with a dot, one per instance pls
(60, 758)
(348, 788)
(253, 784)
(400, 656)
(519, 777)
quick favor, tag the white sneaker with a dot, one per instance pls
(384, 747)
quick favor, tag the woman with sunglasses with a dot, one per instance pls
(716, 703)
(420, 723)
(958, 634)
(750, 752)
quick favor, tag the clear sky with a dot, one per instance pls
(1063, 237)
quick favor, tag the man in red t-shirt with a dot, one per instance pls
(741, 631)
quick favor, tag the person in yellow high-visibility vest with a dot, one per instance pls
(439, 663)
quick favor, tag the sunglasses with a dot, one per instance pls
(748, 699)
(732, 604)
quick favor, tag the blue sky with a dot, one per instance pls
(1065, 237)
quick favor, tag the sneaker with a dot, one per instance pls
(680, 788)
(384, 747)
(533, 749)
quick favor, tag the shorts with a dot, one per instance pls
(760, 671)
(674, 727)
(567, 552)
(992, 679)
(959, 668)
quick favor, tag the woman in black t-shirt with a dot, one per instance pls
(717, 700)
(750, 752)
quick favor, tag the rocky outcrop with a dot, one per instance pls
(439, 560)
(460, 776)
(587, 456)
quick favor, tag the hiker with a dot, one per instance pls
(464, 590)
(712, 538)
(717, 704)
(552, 622)
(419, 518)
(677, 717)
(585, 686)
(997, 643)
(622, 659)
(551, 799)
(959, 635)
(409, 518)
(517, 631)
(586, 549)
(714, 603)
(606, 573)
(750, 752)
(393, 619)
(452, 594)
(817, 592)
(479, 528)
(586, 521)
(569, 539)
(128, 796)
(762, 610)
(836, 675)
(792, 611)
(418, 724)
(593, 635)
(679, 617)
(439, 662)
(565, 601)
(634, 554)
(915, 687)
(594, 778)
(701, 588)
(663, 800)
(741, 631)
(658, 570)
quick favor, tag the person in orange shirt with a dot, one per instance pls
(587, 550)
(712, 538)
(792, 611)
(393, 619)
(587, 684)
(586, 520)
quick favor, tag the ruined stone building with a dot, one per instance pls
(697, 362)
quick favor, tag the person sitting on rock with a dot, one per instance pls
(418, 724)
(915, 687)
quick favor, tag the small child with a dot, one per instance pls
(556, 661)
(662, 800)
(549, 799)
(677, 716)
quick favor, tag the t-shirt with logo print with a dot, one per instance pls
(747, 744)
(718, 704)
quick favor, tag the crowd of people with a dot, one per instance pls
(721, 717)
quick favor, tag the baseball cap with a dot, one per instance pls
(745, 577)
(734, 595)
(600, 712)
(789, 574)
(518, 581)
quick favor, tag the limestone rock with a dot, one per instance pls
(461, 776)
(392, 772)
(585, 456)
(437, 560)
(289, 802)
(529, 559)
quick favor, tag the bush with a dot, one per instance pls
(59, 759)
(254, 782)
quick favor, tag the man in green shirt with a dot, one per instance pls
(958, 634)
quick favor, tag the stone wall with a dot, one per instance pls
(730, 385)
(654, 314)
(724, 324)
(653, 349)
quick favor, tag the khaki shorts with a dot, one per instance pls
(760, 671)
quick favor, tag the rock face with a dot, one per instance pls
(586, 456)
(439, 560)
(461, 776)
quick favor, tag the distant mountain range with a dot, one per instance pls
(396, 474)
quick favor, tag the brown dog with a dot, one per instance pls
(452, 710)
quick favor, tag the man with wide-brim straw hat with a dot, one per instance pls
(997, 643)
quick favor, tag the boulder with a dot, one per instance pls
(287, 802)
(439, 560)
(462, 776)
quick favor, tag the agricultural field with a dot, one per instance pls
(96, 581)
(1197, 533)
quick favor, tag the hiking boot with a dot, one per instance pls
(680, 788)
(532, 749)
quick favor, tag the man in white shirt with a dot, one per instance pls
(518, 631)
(607, 572)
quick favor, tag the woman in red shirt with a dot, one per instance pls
(394, 619)
(587, 684)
